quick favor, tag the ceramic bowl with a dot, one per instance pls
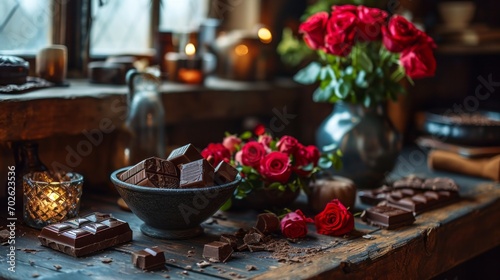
(173, 213)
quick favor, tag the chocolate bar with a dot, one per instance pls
(196, 174)
(387, 217)
(85, 235)
(152, 172)
(267, 223)
(418, 201)
(217, 251)
(224, 173)
(149, 259)
(411, 181)
(184, 154)
(441, 183)
(374, 197)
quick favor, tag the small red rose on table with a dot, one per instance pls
(294, 225)
(334, 220)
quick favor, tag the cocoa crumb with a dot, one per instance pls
(106, 260)
(250, 267)
(57, 267)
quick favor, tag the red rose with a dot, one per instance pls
(419, 61)
(215, 153)
(231, 142)
(252, 153)
(294, 224)
(314, 30)
(275, 167)
(287, 144)
(341, 32)
(313, 154)
(334, 220)
(303, 157)
(400, 34)
(370, 23)
(259, 129)
(345, 8)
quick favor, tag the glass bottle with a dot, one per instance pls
(26, 160)
(145, 122)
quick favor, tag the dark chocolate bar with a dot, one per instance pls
(82, 236)
(411, 181)
(387, 217)
(418, 201)
(224, 173)
(149, 259)
(184, 154)
(196, 174)
(374, 197)
(217, 251)
(152, 172)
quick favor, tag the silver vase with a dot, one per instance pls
(369, 142)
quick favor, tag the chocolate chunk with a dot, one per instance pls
(230, 239)
(387, 217)
(252, 238)
(411, 181)
(184, 154)
(152, 172)
(256, 247)
(82, 236)
(441, 184)
(196, 174)
(224, 173)
(219, 251)
(149, 259)
(267, 223)
(374, 197)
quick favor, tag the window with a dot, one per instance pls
(25, 26)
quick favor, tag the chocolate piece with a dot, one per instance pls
(152, 172)
(230, 239)
(184, 154)
(387, 217)
(440, 184)
(82, 236)
(252, 238)
(149, 258)
(419, 201)
(374, 197)
(411, 181)
(267, 223)
(216, 250)
(224, 173)
(196, 174)
(256, 248)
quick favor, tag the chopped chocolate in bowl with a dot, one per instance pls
(479, 128)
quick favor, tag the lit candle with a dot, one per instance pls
(190, 71)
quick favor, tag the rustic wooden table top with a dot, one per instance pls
(436, 242)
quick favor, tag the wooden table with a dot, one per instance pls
(438, 241)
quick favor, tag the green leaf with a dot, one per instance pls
(361, 79)
(365, 62)
(342, 90)
(322, 95)
(325, 163)
(246, 135)
(309, 74)
(227, 205)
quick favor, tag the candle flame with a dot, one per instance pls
(241, 50)
(265, 35)
(53, 196)
(190, 49)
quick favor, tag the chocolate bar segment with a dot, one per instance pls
(419, 201)
(196, 174)
(267, 223)
(224, 173)
(387, 217)
(374, 197)
(152, 172)
(82, 236)
(441, 184)
(218, 251)
(149, 258)
(184, 154)
(411, 181)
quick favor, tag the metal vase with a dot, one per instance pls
(368, 140)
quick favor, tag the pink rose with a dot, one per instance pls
(294, 225)
(334, 220)
(252, 153)
(400, 34)
(275, 167)
(313, 30)
(266, 141)
(231, 142)
(287, 144)
(215, 153)
(370, 23)
(419, 62)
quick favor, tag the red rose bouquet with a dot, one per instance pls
(264, 162)
(364, 54)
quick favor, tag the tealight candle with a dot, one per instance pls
(185, 67)
(51, 197)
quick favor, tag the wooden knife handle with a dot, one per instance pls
(488, 167)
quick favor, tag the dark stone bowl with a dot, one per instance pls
(173, 213)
